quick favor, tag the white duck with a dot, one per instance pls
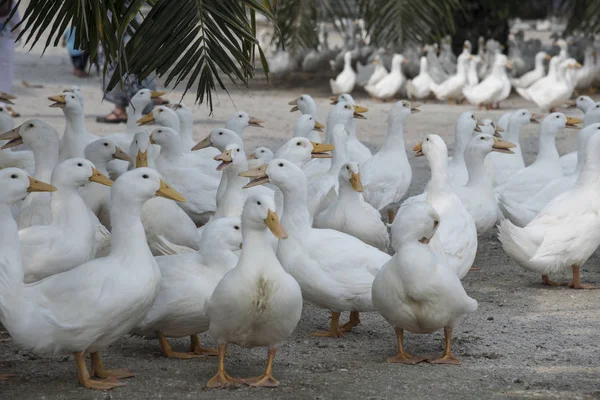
(240, 121)
(466, 124)
(379, 72)
(345, 81)
(43, 140)
(22, 159)
(591, 110)
(472, 77)
(334, 270)
(528, 181)
(490, 90)
(351, 214)
(260, 155)
(258, 303)
(420, 86)
(97, 197)
(387, 175)
(187, 282)
(391, 84)
(76, 137)
(305, 104)
(456, 238)
(521, 214)
(307, 126)
(69, 240)
(451, 88)
(186, 122)
(490, 128)
(356, 150)
(301, 150)
(566, 232)
(556, 93)
(416, 291)
(501, 167)
(70, 313)
(478, 193)
(584, 77)
(537, 73)
(163, 220)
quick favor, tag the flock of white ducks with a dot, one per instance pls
(88, 259)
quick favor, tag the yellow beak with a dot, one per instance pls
(39, 186)
(98, 177)
(259, 175)
(334, 100)
(418, 149)
(13, 137)
(59, 101)
(168, 192)
(571, 122)
(141, 160)
(356, 183)
(319, 150)
(502, 146)
(358, 110)
(272, 222)
(119, 154)
(255, 122)
(146, 119)
(155, 94)
(319, 126)
(204, 143)
(226, 159)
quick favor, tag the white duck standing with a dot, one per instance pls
(43, 140)
(387, 175)
(456, 238)
(40, 317)
(334, 270)
(492, 88)
(258, 303)
(391, 84)
(420, 86)
(187, 282)
(478, 193)
(528, 181)
(239, 121)
(537, 73)
(466, 124)
(416, 291)
(379, 72)
(97, 197)
(345, 81)
(351, 214)
(501, 167)
(69, 240)
(186, 122)
(305, 104)
(555, 94)
(356, 150)
(307, 126)
(451, 88)
(565, 233)
(591, 110)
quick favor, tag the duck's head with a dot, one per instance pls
(485, 144)
(68, 101)
(433, 147)
(350, 175)
(398, 60)
(346, 111)
(142, 184)
(219, 138)
(501, 61)
(105, 150)
(76, 172)
(260, 156)
(16, 184)
(35, 133)
(344, 97)
(402, 110)
(281, 172)
(259, 213)
(76, 90)
(581, 102)
(233, 156)
(414, 222)
(300, 150)
(305, 124)
(490, 128)
(164, 136)
(305, 104)
(224, 233)
(7, 98)
(184, 113)
(555, 122)
(141, 149)
(241, 120)
(523, 117)
(466, 124)
(584, 137)
(541, 56)
(143, 97)
(161, 115)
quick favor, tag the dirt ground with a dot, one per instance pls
(524, 341)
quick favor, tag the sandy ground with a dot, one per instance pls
(524, 341)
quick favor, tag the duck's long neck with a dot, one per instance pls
(214, 255)
(134, 113)
(296, 218)
(173, 151)
(459, 149)
(11, 268)
(394, 140)
(128, 235)
(75, 122)
(46, 160)
(255, 244)
(233, 193)
(547, 147)
(590, 173)
(347, 194)
(439, 172)
(68, 208)
(186, 133)
(339, 156)
(351, 129)
(513, 132)
(477, 173)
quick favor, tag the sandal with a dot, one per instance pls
(112, 118)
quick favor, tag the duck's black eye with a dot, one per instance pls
(145, 176)
(262, 151)
(347, 167)
(482, 138)
(558, 116)
(14, 176)
(299, 144)
(258, 202)
(237, 228)
(79, 164)
(31, 125)
(160, 110)
(106, 144)
(1, 109)
(427, 139)
(241, 116)
(281, 164)
(220, 133)
(435, 223)
(238, 150)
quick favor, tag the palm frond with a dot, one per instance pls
(582, 15)
(297, 20)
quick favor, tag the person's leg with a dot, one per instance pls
(119, 98)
